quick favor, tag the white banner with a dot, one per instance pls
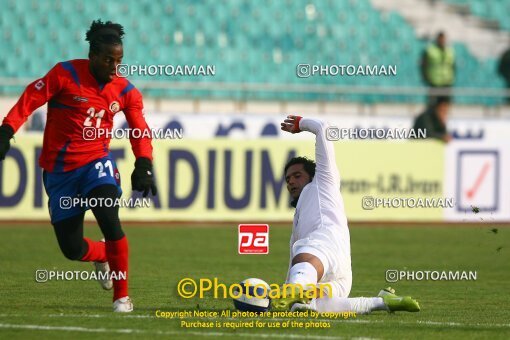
(477, 176)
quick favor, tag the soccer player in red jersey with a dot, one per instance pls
(83, 95)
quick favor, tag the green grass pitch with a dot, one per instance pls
(161, 256)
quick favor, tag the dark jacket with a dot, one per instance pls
(429, 121)
(504, 67)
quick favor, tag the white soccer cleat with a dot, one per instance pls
(123, 305)
(104, 280)
(103, 274)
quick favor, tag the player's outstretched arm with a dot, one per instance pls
(326, 169)
(35, 95)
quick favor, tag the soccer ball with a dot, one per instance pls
(253, 297)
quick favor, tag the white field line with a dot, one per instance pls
(184, 331)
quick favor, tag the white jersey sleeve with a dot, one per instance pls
(326, 170)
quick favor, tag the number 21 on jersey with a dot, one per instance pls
(93, 114)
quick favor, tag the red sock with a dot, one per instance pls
(117, 254)
(96, 252)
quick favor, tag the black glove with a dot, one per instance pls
(6, 133)
(142, 178)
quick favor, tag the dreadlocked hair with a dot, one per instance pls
(107, 33)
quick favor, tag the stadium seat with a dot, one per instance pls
(247, 43)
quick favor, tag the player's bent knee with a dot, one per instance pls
(72, 254)
(313, 260)
(74, 251)
(69, 234)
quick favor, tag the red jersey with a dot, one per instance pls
(77, 101)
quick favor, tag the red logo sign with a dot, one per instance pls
(253, 239)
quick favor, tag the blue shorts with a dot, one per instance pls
(64, 186)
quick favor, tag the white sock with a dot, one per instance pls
(303, 273)
(360, 305)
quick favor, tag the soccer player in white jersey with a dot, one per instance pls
(320, 250)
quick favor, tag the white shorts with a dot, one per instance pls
(337, 269)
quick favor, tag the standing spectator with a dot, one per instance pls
(504, 70)
(433, 120)
(438, 66)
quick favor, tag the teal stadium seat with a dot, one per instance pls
(248, 42)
